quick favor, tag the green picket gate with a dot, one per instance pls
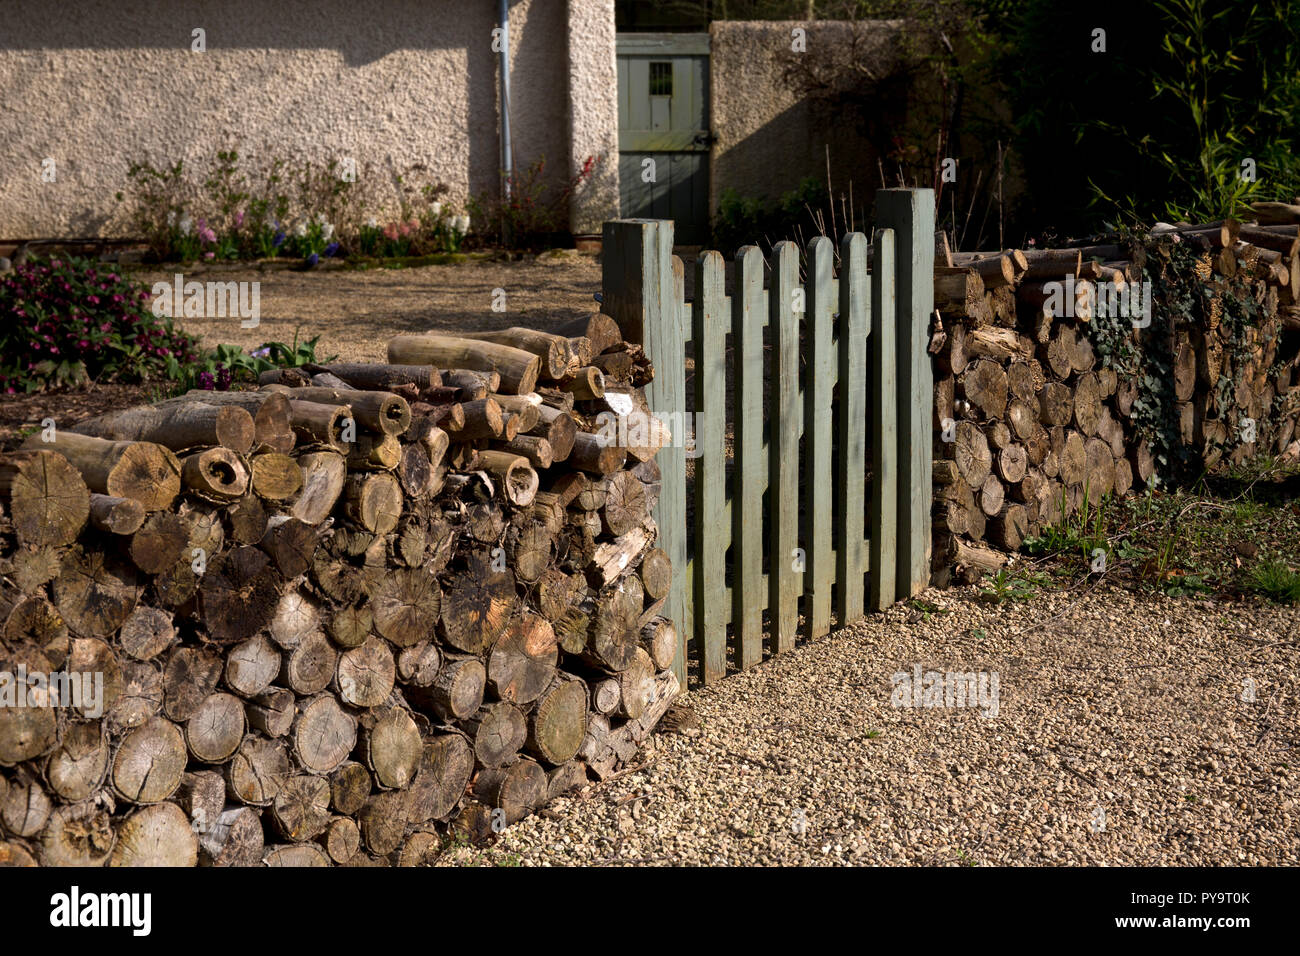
(824, 512)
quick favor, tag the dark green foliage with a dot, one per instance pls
(1157, 125)
(66, 321)
(798, 215)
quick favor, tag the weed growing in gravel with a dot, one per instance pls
(1008, 585)
(925, 607)
(1275, 581)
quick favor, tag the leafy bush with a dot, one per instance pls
(533, 216)
(797, 215)
(1203, 85)
(66, 321)
(228, 365)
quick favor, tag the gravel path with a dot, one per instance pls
(1107, 701)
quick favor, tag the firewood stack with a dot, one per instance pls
(338, 616)
(1037, 421)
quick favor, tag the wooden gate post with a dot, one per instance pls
(640, 294)
(910, 213)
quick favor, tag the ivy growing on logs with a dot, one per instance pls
(1184, 295)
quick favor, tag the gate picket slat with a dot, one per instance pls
(910, 213)
(783, 484)
(683, 600)
(851, 417)
(818, 437)
(709, 333)
(884, 425)
(750, 467)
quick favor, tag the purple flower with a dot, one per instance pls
(207, 381)
(332, 249)
(278, 241)
(223, 379)
(313, 259)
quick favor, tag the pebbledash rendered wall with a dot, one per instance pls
(769, 136)
(95, 85)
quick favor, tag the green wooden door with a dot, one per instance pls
(663, 130)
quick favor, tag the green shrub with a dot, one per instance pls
(1190, 87)
(798, 215)
(534, 215)
(66, 321)
(228, 365)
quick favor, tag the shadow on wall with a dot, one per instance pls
(772, 159)
(99, 85)
(361, 33)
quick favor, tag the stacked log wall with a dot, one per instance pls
(343, 618)
(1047, 399)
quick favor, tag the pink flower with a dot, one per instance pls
(209, 254)
(239, 218)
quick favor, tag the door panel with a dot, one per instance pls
(663, 116)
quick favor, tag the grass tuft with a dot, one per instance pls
(1275, 581)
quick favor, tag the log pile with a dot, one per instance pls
(336, 618)
(1033, 414)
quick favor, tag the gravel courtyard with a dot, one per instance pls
(1108, 702)
(356, 312)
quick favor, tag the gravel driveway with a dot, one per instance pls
(1107, 701)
